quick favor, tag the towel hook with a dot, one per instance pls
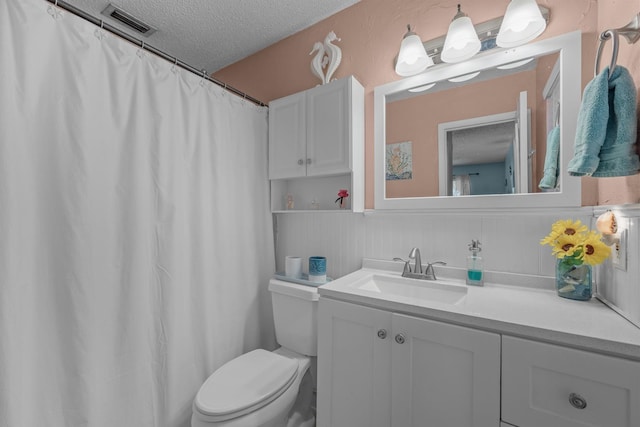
(631, 32)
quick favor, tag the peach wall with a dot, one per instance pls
(371, 32)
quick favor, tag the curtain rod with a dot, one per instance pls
(202, 73)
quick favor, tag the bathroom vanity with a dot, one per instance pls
(395, 351)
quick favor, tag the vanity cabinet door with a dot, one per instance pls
(549, 385)
(354, 365)
(287, 137)
(444, 375)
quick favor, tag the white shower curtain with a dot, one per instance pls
(136, 241)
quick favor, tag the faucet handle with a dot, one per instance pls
(430, 272)
(407, 267)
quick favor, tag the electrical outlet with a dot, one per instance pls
(619, 252)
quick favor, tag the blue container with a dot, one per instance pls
(318, 269)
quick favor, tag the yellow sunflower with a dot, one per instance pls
(568, 227)
(594, 250)
(566, 245)
(563, 227)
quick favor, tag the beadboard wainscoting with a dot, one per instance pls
(619, 286)
(510, 239)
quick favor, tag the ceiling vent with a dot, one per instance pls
(116, 12)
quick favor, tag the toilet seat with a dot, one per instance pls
(245, 384)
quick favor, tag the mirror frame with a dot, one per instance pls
(569, 47)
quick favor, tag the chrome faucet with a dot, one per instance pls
(415, 254)
(417, 273)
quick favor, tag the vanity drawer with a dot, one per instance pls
(549, 385)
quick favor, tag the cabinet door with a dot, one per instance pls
(353, 365)
(329, 128)
(550, 385)
(287, 137)
(444, 375)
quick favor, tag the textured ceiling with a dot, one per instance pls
(211, 34)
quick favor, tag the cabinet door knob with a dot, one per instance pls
(308, 161)
(300, 162)
(577, 401)
(400, 339)
(382, 333)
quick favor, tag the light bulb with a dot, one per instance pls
(462, 41)
(412, 58)
(522, 23)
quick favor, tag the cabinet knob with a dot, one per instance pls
(400, 338)
(577, 401)
(300, 162)
(308, 161)
(382, 333)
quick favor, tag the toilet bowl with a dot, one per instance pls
(262, 388)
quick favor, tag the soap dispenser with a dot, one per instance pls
(474, 265)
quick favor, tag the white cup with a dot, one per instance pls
(293, 267)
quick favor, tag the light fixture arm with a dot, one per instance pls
(460, 14)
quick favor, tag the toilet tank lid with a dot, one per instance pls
(309, 293)
(248, 381)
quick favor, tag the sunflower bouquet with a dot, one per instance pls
(573, 242)
(577, 249)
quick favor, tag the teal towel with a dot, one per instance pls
(550, 174)
(605, 142)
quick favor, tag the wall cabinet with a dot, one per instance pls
(377, 368)
(316, 146)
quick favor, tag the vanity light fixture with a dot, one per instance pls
(464, 78)
(486, 32)
(422, 88)
(462, 41)
(412, 58)
(516, 64)
(522, 23)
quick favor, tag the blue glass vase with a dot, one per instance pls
(573, 281)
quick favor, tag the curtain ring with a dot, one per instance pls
(56, 3)
(102, 24)
(606, 35)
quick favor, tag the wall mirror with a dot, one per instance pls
(475, 134)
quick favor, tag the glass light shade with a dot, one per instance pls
(422, 88)
(516, 64)
(412, 58)
(461, 42)
(522, 23)
(465, 77)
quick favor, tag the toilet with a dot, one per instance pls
(263, 388)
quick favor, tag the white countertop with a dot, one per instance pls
(538, 314)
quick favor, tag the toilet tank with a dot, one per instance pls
(295, 313)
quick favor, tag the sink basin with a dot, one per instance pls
(414, 289)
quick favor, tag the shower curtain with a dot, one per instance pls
(136, 240)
